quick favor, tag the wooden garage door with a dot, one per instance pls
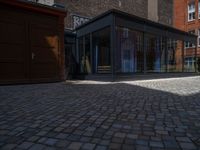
(44, 52)
(29, 46)
(12, 48)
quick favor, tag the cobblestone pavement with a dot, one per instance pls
(87, 115)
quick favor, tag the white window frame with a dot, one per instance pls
(188, 44)
(191, 10)
(188, 61)
(125, 33)
(199, 37)
(199, 9)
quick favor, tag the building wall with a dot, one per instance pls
(45, 2)
(153, 10)
(165, 11)
(161, 11)
(180, 13)
(181, 17)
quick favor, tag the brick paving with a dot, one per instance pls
(87, 115)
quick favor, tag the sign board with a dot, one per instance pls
(79, 20)
(44, 2)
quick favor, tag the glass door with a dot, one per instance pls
(101, 40)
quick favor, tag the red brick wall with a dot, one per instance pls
(180, 12)
(181, 17)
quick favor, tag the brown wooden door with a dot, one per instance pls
(13, 54)
(44, 53)
(29, 47)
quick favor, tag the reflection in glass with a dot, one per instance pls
(101, 49)
(129, 54)
(189, 58)
(162, 54)
(84, 54)
(155, 53)
(81, 55)
(87, 54)
(174, 57)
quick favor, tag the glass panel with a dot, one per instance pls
(101, 49)
(81, 55)
(189, 58)
(87, 54)
(174, 55)
(198, 64)
(163, 54)
(84, 54)
(129, 54)
(155, 54)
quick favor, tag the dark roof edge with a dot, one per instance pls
(96, 18)
(144, 20)
(35, 7)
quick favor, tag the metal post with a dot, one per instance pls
(166, 55)
(84, 57)
(91, 54)
(196, 49)
(77, 51)
(183, 56)
(144, 50)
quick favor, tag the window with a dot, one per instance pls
(191, 11)
(189, 44)
(199, 38)
(199, 9)
(125, 33)
(189, 64)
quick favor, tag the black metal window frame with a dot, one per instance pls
(115, 18)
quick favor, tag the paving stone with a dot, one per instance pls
(120, 135)
(88, 146)
(49, 148)
(128, 147)
(62, 136)
(37, 147)
(114, 146)
(105, 142)
(142, 142)
(42, 133)
(100, 147)
(129, 141)
(8, 147)
(156, 114)
(33, 138)
(132, 136)
(170, 144)
(62, 143)
(85, 139)
(74, 146)
(42, 140)
(183, 139)
(58, 129)
(188, 146)
(51, 141)
(162, 132)
(139, 147)
(117, 140)
(25, 145)
(156, 144)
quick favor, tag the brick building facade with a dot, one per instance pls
(187, 18)
(160, 11)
